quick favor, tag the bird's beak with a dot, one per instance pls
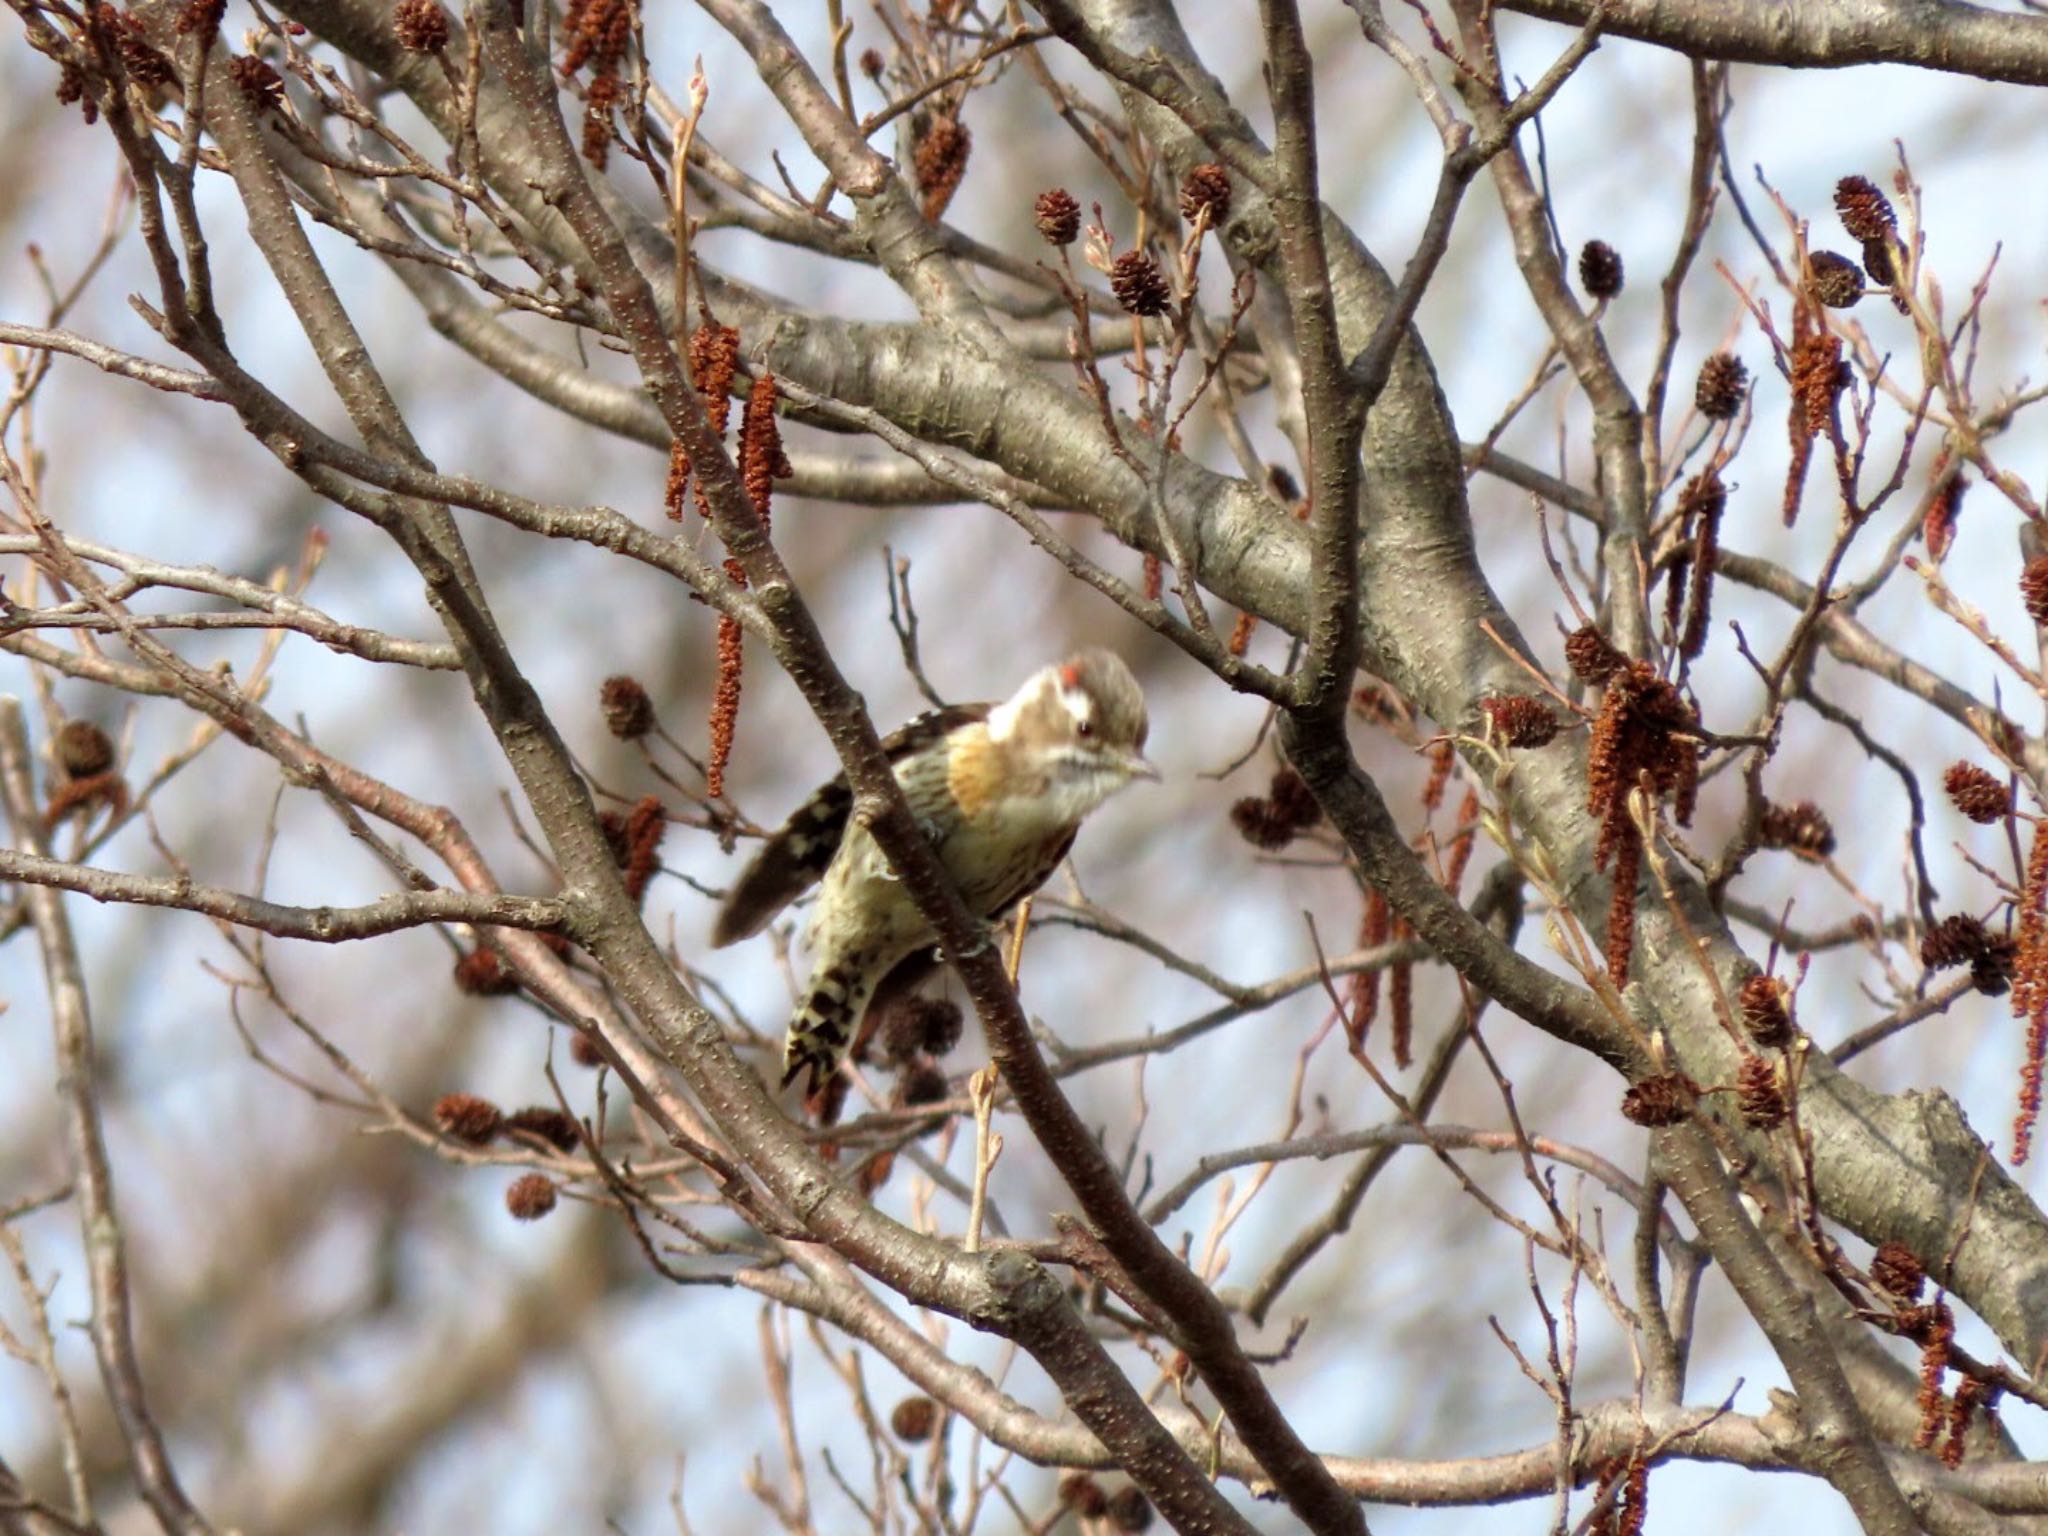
(1137, 766)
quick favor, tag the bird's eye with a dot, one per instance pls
(1084, 728)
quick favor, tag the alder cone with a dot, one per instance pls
(1761, 1100)
(628, 712)
(2034, 588)
(1957, 939)
(1801, 828)
(1865, 212)
(1658, 1101)
(1139, 285)
(1521, 721)
(83, 749)
(1765, 1012)
(1057, 216)
(421, 25)
(1600, 271)
(531, 1197)
(1207, 187)
(467, 1117)
(1837, 281)
(1722, 383)
(914, 1419)
(1977, 793)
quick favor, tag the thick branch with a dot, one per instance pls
(1827, 34)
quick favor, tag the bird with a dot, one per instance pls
(999, 789)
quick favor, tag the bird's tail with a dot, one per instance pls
(823, 1025)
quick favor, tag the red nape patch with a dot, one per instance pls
(1070, 676)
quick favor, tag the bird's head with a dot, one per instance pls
(1082, 722)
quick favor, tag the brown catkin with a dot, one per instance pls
(762, 461)
(1936, 1333)
(599, 98)
(1897, 1271)
(1442, 759)
(725, 705)
(2032, 959)
(714, 358)
(1944, 511)
(1970, 1392)
(678, 480)
(597, 32)
(1634, 1508)
(714, 355)
(646, 825)
(2031, 1067)
(1463, 841)
(1621, 906)
(1701, 504)
(1362, 1003)
(939, 161)
(1818, 378)
(1241, 633)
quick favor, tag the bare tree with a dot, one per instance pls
(1562, 749)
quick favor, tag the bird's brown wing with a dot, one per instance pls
(797, 854)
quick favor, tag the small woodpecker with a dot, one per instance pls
(999, 789)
